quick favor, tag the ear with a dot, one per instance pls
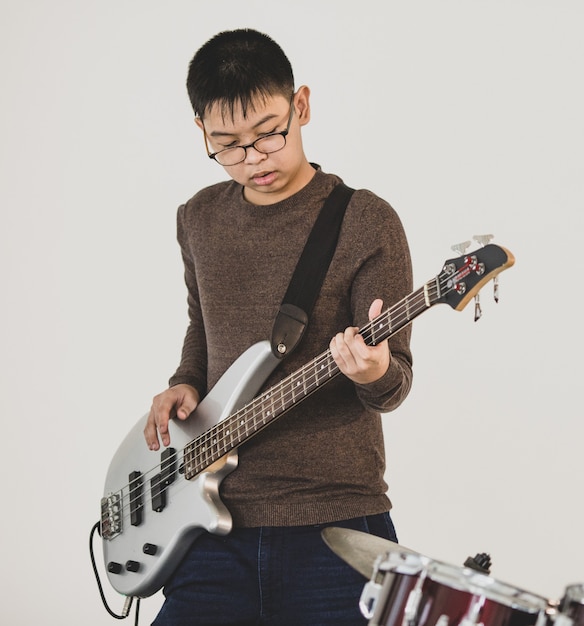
(302, 104)
(199, 123)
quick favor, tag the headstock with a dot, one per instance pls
(463, 277)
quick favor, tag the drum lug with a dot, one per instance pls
(473, 614)
(369, 597)
(413, 602)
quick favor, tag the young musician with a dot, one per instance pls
(322, 463)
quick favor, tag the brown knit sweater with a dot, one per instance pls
(323, 460)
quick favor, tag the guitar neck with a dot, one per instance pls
(228, 434)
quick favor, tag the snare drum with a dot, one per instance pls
(571, 608)
(413, 590)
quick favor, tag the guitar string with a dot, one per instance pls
(322, 369)
(282, 396)
(403, 311)
(213, 444)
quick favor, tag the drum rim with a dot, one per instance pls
(477, 583)
(467, 580)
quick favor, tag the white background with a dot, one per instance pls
(466, 115)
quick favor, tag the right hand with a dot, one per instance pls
(178, 401)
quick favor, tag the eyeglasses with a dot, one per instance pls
(266, 144)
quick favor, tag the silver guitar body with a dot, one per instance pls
(146, 530)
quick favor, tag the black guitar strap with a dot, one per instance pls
(297, 305)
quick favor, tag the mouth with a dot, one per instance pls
(264, 178)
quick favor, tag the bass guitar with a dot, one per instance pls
(157, 503)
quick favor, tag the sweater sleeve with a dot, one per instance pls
(192, 369)
(385, 272)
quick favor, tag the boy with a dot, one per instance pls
(322, 463)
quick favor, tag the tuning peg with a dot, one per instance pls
(460, 247)
(478, 312)
(483, 239)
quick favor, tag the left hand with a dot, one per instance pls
(361, 363)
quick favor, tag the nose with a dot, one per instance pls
(253, 156)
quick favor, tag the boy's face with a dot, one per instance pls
(267, 178)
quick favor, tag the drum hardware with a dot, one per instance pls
(413, 590)
(406, 588)
(380, 585)
(413, 601)
(481, 562)
(570, 610)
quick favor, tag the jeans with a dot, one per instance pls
(268, 576)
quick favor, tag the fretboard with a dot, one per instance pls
(234, 430)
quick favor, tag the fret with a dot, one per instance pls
(207, 457)
(218, 442)
(323, 372)
(332, 366)
(224, 438)
(378, 331)
(244, 423)
(296, 386)
(282, 398)
(303, 381)
(318, 376)
(438, 290)
(189, 457)
(267, 407)
(195, 459)
(389, 323)
(215, 444)
(212, 445)
(241, 425)
(204, 449)
(427, 295)
(234, 435)
(373, 341)
(269, 412)
(231, 430)
(195, 456)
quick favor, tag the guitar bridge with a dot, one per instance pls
(111, 516)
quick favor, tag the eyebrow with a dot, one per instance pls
(266, 118)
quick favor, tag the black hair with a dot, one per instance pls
(235, 67)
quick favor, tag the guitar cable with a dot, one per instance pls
(128, 603)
